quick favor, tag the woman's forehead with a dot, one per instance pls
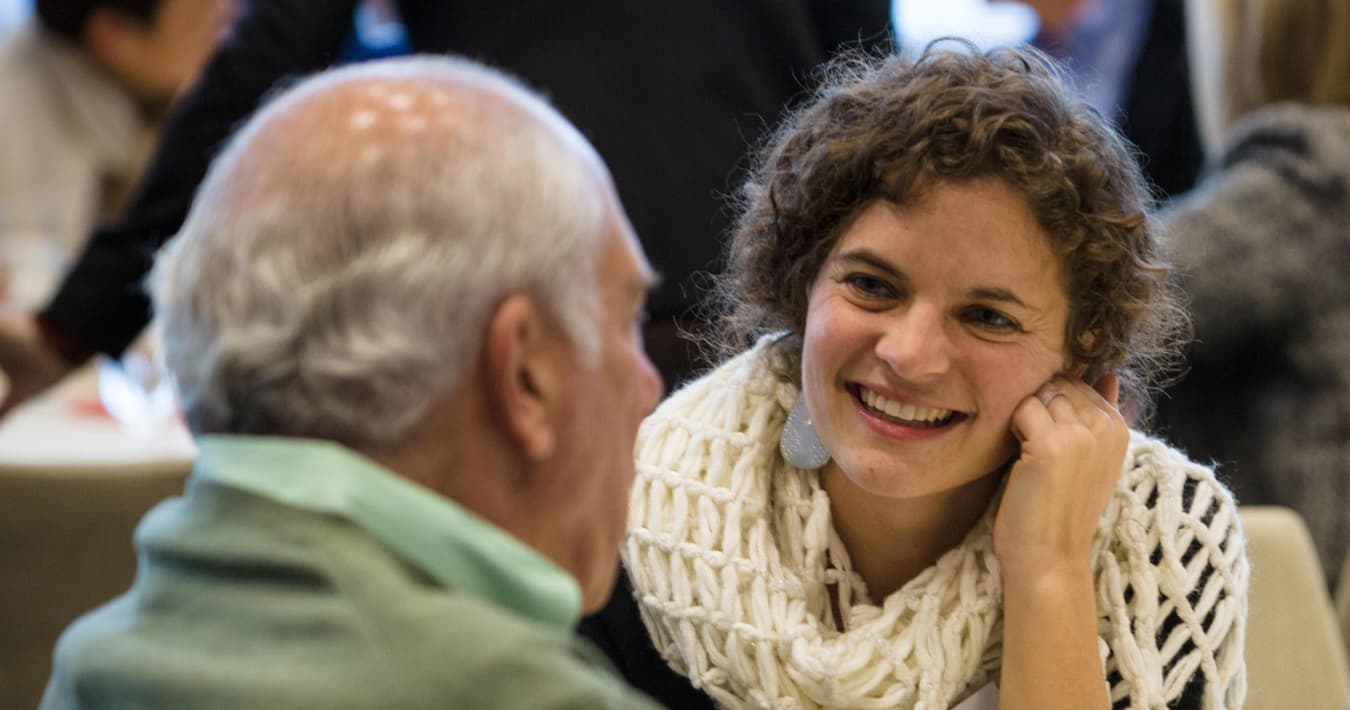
(980, 224)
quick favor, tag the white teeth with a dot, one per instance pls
(906, 412)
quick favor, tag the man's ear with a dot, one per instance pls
(525, 366)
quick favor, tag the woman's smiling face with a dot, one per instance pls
(926, 326)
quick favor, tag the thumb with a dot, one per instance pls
(1109, 388)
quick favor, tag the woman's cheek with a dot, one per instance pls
(1005, 376)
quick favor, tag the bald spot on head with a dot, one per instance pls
(375, 129)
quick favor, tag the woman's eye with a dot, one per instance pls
(991, 319)
(868, 286)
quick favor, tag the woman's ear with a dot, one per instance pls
(524, 368)
(1077, 368)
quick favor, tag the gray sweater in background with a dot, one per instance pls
(1264, 242)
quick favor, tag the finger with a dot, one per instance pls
(1057, 396)
(1108, 386)
(1089, 401)
(1102, 398)
(1105, 397)
(1031, 419)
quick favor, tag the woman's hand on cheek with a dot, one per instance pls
(1073, 443)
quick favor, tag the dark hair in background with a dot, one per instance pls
(67, 17)
(887, 128)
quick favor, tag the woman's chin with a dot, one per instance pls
(885, 474)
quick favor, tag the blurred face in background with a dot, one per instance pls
(156, 60)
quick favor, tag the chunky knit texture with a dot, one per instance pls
(735, 563)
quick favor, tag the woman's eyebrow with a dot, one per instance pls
(997, 293)
(870, 258)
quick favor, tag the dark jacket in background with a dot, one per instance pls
(672, 94)
(1158, 114)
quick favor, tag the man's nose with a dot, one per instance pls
(916, 343)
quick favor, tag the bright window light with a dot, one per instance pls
(987, 24)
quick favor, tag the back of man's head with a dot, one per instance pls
(337, 270)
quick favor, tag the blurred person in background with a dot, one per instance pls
(671, 94)
(1264, 241)
(403, 320)
(83, 88)
(1129, 59)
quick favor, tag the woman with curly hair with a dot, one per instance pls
(913, 485)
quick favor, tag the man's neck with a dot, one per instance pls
(452, 453)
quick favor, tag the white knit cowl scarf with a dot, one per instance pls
(738, 571)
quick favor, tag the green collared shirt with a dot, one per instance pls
(441, 538)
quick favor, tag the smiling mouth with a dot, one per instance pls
(903, 414)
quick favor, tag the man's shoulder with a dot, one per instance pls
(469, 653)
(444, 645)
(242, 602)
(496, 658)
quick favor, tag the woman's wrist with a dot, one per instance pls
(1063, 587)
(1050, 639)
(1035, 568)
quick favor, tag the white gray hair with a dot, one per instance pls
(341, 261)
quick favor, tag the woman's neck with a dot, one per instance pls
(890, 540)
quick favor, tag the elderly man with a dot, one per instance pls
(403, 320)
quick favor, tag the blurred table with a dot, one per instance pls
(68, 430)
(74, 482)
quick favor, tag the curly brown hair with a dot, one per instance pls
(888, 128)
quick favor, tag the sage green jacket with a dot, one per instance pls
(298, 575)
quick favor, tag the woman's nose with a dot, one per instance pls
(916, 344)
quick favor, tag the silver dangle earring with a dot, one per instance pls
(800, 443)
